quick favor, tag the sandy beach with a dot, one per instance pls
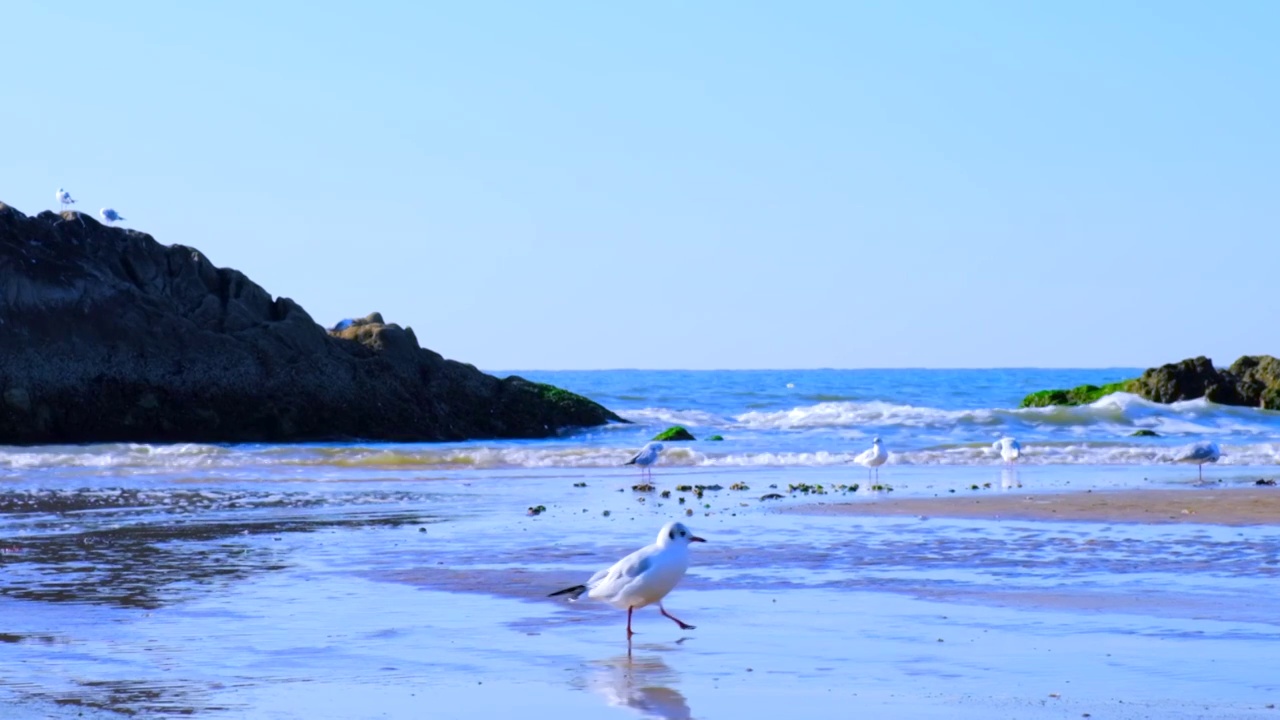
(402, 598)
(1236, 506)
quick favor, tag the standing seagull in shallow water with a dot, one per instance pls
(110, 215)
(64, 198)
(647, 456)
(644, 577)
(873, 458)
(1199, 453)
(1009, 449)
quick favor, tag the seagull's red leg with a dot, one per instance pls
(629, 632)
(683, 625)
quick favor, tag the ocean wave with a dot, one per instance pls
(406, 459)
(860, 414)
(116, 456)
(668, 416)
(1119, 412)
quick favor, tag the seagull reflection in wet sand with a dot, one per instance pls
(641, 684)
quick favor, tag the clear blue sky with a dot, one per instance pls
(689, 184)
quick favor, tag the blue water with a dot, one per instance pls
(335, 580)
(923, 416)
(768, 418)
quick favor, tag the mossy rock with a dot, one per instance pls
(716, 438)
(1082, 395)
(572, 407)
(673, 433)
(1144, 433)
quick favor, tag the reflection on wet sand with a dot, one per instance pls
(1009, 478)
(641, 683)
(134, 549)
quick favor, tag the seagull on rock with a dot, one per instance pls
(1199, 453)
(644, 577)
(647, 456)
(64, 198)
(873, 457)
(110, 215)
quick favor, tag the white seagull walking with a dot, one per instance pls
(873, 457)
(644, 577)
(110, 215)
(647, 456)
(1009, 449)
(64, 198)
(1199, 453)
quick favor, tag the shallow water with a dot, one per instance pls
(394, 592)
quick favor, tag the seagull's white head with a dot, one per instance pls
(875, 441)
(675, 533)
(656, 446)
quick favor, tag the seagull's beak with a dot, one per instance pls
(695, 538)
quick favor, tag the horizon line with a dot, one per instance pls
(810, 369)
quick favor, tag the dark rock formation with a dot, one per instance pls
(1257, 379)
(1253, 380)
(673, 433)
(1187, 380)
(108, 336)
(1144, 432)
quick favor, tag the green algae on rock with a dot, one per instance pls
(715, 438)
(1081, 395)
(1144, 433)
(673, 433)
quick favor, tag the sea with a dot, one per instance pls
(375, 580)
(768, 418)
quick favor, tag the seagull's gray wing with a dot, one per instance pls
(1198, 452)
(623, 571)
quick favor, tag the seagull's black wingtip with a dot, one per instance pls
(575, 591)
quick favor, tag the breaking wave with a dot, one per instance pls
(311, 461)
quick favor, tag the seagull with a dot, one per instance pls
(110, 215)
(644, 577)
(64, 198)
(647, 456)
(873, 458)
(1009, 449)
(1199, 453)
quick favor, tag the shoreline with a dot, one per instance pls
(1212, 506)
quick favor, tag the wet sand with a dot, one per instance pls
(427, 597)
(1213, 506)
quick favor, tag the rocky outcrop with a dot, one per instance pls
(107, 335)
(1253, 380)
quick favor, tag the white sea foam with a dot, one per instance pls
(405, 459)
(858, 414)
(1121, 412)
(113, 456)
(668, 416)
